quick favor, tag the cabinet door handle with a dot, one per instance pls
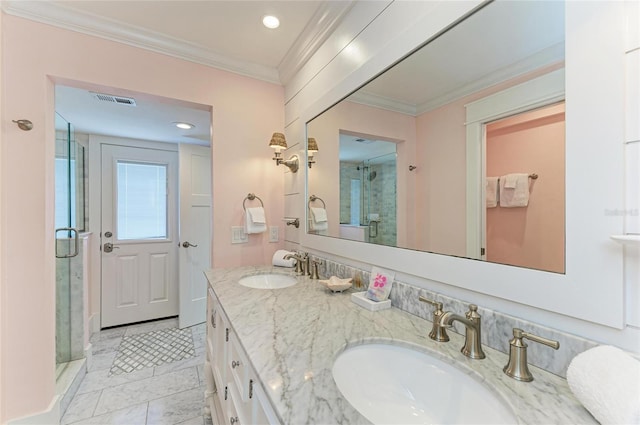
(235, 364)
(234, 420)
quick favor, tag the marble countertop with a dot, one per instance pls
(292, 336)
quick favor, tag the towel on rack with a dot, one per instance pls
(491, 196)
(255, 220)
(318, 220)
(514, 190)
(606, 380)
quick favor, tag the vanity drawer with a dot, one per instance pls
(238, 367)
(238, 412)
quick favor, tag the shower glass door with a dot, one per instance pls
(378, 199)
(69, 217)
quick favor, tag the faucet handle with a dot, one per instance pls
(517, 367)
(438, 332)
(519, 333)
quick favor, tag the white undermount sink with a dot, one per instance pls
(268, 281)
(390, 384)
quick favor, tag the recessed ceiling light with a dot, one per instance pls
(270, 21)
(184, 125)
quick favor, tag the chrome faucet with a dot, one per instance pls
(472, 341)
(302, 262)
(517, 368)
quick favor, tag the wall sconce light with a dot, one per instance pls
(278, 142)
(312, 147)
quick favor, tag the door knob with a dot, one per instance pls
(188, 244)
(108, 247)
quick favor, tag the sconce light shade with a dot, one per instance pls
(278, 141)
(312, 145)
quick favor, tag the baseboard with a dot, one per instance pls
(94, 323)
(48, 417)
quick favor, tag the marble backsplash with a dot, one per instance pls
(497, 328)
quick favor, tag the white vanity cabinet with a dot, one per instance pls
(233, 393)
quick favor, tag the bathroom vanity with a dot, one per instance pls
(270, 355)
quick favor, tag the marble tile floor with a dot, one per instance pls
(168, 394)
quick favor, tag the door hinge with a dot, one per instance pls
(250, 388)
(481, 251)
(226, 338)
(226, 392)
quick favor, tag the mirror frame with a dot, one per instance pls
(591, 144)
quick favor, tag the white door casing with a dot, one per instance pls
(140, 276)
(195, 229)
(535, 93)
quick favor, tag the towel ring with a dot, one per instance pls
(251, 197)
(313, 198)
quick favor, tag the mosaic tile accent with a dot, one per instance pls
(152, 349)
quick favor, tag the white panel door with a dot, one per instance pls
(195, 232)
(139, 234)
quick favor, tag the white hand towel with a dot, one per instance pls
(318, 221)
(491, 196)
(255, 221)
(606, 380)
(517, 196)
(278, 259)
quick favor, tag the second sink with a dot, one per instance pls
(268, 281)
(390, 384)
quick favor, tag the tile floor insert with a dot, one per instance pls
(169, 394)
(152, 349)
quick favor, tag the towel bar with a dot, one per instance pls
(251, 197)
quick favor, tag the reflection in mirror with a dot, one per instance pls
(367, 189)
(462, 110)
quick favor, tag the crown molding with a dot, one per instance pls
(95, 25)
(382, 102)
(321, 25)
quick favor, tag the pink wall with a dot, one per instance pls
(324, 178)
(531, 236)
(245, 113)
(441, 174)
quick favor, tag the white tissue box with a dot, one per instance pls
(360, 299)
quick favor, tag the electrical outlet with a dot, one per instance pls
(273, 233)
(238, 235)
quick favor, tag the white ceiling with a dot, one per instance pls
(225, 34)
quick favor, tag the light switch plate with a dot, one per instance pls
(238, 235)
(273, 233)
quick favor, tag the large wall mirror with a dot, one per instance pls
(456, 154)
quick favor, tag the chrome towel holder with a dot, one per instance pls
(314, 198)
(251, 197)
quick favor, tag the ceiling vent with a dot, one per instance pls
(120, 100)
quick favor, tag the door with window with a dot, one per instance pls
(139, 234)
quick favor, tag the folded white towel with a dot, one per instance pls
(255, 221)
(278, 259)
(491, 196)
(257, 214)
(318, 220)
(319, 215)
(516, 196)
(606, 380)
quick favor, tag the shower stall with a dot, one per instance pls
(378, 198)
(69, 221)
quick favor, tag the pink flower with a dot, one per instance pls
(379, 281)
